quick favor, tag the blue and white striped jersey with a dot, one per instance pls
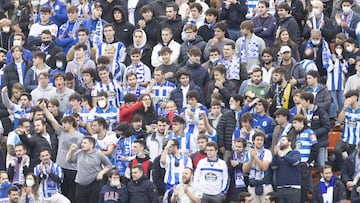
(351, 131)
(304, 141)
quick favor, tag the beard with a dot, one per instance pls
(187, 181)
(283, 147)
(280, 81)
(267, 62)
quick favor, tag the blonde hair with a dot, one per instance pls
(5, 22)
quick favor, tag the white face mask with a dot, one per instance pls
(35, 3)
(17, 43)
(59, 64)
(114, 183)
(346, 9)
(349, 49)
(315, 42)
(214, 60)
(315, 11)
(29, 182)
(6, 29)
(233, 107)
(338, 51)
(102, 103)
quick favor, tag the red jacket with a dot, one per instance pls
(126, 113)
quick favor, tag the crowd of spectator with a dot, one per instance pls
(190, 101)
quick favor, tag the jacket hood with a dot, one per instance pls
(121, 9)
(61, 57)
(144, 39)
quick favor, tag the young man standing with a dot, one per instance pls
(218, 40)
(89, 173)
(62, 93)
(257, 163)
(215, 188)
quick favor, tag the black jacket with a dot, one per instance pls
(198, 42)
(36, 143)
(11, 75)
(176, 26)
(142, 190)
(145, 56)
(320, 124)
(123, 30)
(198, 74)
(177, 96)
(339, 192)
(225, 129)
(226, 92)
(152, 30)
(355, 196)
(323, 97)
(235, 14)
(137, 14)
(293, 28)
(158, 175)
(327, 31)
(52, 51)
(107, 7)
(348, 168)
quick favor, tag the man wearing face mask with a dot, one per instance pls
(214, 58)
(19, 40)
(49, 47)
(114, 190)
(317, 20)
(352, 53)
(347, 21)
(60, 64)
(322, 53)
(105, 110)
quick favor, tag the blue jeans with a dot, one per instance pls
(321, 158)
(338, 98)
(234, 34)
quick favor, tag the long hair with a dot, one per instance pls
(289, 43)
(151, 108)
(35, 187)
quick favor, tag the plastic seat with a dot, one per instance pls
(334, 137)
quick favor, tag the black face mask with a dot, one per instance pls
(46, 43)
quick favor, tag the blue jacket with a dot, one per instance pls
(177, 96)
(289, 165)
(110, 194)
(267, 124)
(235, 14)
(267, 35)
(60, 10)
(27, 56)
(31, 80)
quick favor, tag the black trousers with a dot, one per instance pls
(88, 193)
(68, 186)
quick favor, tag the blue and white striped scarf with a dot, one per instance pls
(326, 53)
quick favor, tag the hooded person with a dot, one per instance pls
(61, 64)
(123, 29)
(140, 41)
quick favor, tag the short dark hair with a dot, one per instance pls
(231, 44)
(173, 5)
(13, 189)
(197, 6)
(349, 1)
(40, 54)
(194, 51)
(283, 112)
(69, 76)
(266, 3)
(221, 25)
(135, 51)
(212, 11)
(242, 140)
(300, 118)
(212, 144)
(325, 167)
(214, 50)
(58, 75)
(130, 98)
(178, 119)
(90, 71)
(90, 139)
(182, 72)
(258, 134)
(280, 71)
(103, 60)
(23, 120)
(192, 94)
(69, 119)
(202, 137)
(146, 8)
(285, 6)
(307, 96)
(221, 69)
(313, 73)
(26, 95)
(247, 117)
(46, 32)
(75, 96)
(273, 196)
(80, 46)
(267, 50)
(83, 30)
(45, 9)
(351, 93)
(165, 50)
(138, 166)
